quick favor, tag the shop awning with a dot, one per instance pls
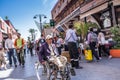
(95, 10)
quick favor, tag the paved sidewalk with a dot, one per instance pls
(104, 70)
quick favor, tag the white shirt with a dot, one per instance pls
(53, 49)
(59, 42)
(9, 43)
(101, 38)
(71, 36)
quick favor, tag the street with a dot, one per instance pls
(106, 69)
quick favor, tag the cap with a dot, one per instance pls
(48, 37)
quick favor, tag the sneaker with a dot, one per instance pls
(15, 66)
(23, 66)
(110, 57)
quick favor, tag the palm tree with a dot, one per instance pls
(82, 28)
(32, 32)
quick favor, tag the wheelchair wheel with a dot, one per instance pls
(51, 72)
(66, 72)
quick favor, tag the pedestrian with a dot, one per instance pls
(2, 58)
(41, 40)
(9, 46)
(31, 46)
(19, 45)
(93, 41)
(71, 39)
(28, 45)
(102, 41)
(37, 46)
(25, 47)
(59, 44)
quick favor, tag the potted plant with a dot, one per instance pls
(115, 51)
(82, 28)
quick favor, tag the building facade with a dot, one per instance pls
(105, 13)
(6, 27)
(12, 29)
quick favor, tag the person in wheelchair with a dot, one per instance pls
(48, 52)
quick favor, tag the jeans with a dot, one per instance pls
(10, 56)
(31, 51)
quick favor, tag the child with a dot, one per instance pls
(2, 58)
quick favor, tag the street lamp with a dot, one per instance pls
(40, 19)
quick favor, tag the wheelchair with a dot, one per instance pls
(54, 72)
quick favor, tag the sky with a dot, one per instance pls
(21, 13)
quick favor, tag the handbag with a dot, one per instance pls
(88, 55)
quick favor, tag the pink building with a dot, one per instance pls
(5, 28)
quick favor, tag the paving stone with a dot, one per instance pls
(106, 69)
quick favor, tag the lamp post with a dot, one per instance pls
(40, 20)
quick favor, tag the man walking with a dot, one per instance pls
(19, 45)
(9, 45)
(71, 39)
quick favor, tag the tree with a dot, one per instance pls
(32, 32)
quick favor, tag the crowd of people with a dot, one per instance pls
(47, 46)
(10, 48)
(98, 44)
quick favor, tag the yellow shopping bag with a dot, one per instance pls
(88, 55)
